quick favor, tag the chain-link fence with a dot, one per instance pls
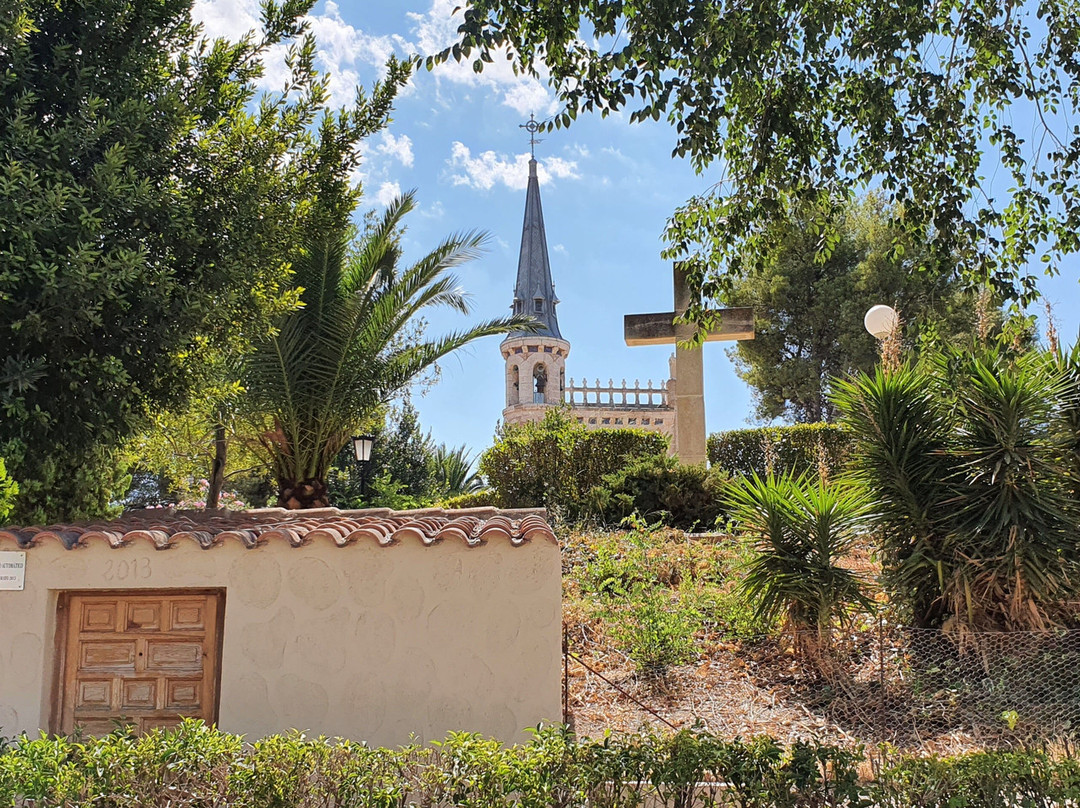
(917, 689)
(993, 687)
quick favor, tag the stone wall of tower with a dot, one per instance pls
(535, 376)
(661, 419)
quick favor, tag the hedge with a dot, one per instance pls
(194, 766)
(660, 489)
(557, 462)
(474, 499)
(780, 449)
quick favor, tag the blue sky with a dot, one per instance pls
(607, 188)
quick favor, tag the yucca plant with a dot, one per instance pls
(348, 348)
(900, 434)
(965, 456)
(800, 528)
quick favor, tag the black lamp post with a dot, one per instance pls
(362, 449)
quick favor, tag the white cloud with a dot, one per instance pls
(400, 148)
(432, 211)
(387, 193)
(231, 19)
(528, 96)
(341, 43)
(437, 28)
(487, 169)
(342, 48)
(348, 53)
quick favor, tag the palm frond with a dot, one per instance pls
(339, 356)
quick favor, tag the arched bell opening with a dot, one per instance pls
(539, 384)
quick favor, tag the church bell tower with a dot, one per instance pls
(536, 362)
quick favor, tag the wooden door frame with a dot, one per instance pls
(63, 623)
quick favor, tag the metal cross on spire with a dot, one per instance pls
(532, 127)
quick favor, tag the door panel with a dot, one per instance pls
(144, 659)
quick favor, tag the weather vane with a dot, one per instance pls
(532, 127)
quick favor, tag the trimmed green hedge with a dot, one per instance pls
(475, 499)
(197, 767)
(780, 449)
(556, 463)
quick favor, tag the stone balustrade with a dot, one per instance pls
(623, 396)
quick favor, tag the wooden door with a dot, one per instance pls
(140, 659)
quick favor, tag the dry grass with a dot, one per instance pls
(739, 684)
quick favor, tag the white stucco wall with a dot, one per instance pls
(366, 642)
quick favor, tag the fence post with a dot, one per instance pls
(565, 678)
(881, 677)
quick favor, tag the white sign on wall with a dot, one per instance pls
(12, 570)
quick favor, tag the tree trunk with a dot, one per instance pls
(300, 494)
(217, 470)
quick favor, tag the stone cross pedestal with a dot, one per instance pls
(660, 329)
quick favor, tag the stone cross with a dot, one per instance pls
(660, 329)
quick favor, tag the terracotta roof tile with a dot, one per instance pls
(472, 527)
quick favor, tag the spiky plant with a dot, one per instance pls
(454, 469)
(899, 457)
(341, 354)
(964, 456)
(800, 528)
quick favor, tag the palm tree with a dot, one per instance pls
(454, 468)
(347, 348)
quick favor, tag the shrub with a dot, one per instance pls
(981, 780)
(195, 766)
(477, 499)
(801, 527)
(9, 489)
(659, 488)
(967, 458)
(556, 463)
(655, 630)
(780, 450)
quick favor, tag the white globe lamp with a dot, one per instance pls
(881, 321)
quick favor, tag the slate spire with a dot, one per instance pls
(534, 293)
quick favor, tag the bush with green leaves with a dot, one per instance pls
(795, 449)
(655, 630)
(969, 458)
(996, 779)
(8, 491)
(801, 527)
(194, 766)
(477, 499)
(557, 462)
(659, 488)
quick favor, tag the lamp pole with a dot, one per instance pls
(362, 451)
(883, 323)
